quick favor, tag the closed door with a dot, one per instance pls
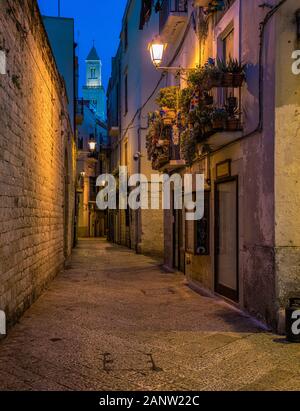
(226, 252)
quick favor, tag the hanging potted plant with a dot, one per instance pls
(233, 72)
(204, 78)
(213, 74)
(233, 124)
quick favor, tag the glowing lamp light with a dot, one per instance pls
(157, 48)
(92, 145)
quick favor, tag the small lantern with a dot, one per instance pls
(92, 145)
(82, 174)
(157, 48)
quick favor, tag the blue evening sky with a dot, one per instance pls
(98, 20)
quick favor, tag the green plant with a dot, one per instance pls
(204, 77)
(157, 139)
(219, 114)
(235, 67)
(188, 145)
(232, 66)
(185, 98)
(168, 97)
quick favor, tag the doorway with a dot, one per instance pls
(226, 239)
(178, 245)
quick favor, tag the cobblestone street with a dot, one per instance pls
(113, 320)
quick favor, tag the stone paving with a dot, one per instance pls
(114, 320)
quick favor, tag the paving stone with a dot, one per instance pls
(116, 321)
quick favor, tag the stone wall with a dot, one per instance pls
(36, 145)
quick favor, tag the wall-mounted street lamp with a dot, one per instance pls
(156, 48)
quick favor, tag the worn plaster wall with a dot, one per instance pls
(287, 158)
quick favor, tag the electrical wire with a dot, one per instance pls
(177, 52)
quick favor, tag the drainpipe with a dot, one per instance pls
(138, 228)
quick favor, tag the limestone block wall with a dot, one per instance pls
(35, 144)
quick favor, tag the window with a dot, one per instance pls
(228, 46)
(93, 189)
(93, 73)
(126, 93)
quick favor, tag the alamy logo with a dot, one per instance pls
(296, 64)
(2, 62)
(296, 323)
(136, 193)
(2, 323)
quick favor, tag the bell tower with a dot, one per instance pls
(93, 89)
(93, 69)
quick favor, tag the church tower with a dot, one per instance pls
(93, 89)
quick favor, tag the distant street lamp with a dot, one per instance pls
(92, 145)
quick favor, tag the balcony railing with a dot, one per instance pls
(173, 12)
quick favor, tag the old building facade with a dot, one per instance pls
(92, 158)
(131, 97)
(246, 247)
(37, 164)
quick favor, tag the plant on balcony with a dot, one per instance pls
(208, 99)
(219, 118)
(233, 72)
(188, 145)
(206, 77)
(233, 124)
(167, 100)
(233, 121)
(200, 120)
(157, 140)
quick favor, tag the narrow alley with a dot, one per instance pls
(114, 320)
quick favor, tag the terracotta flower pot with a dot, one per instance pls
(215, 80)
(233, 80)
(227, 80)
(218, 124)
(238, 79)
(233, 124)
